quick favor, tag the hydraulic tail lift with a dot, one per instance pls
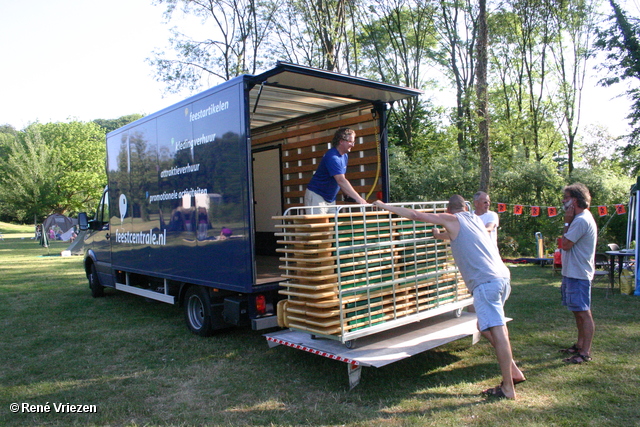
(386, 347)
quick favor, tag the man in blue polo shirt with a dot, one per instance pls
(329, 178)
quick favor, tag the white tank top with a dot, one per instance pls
(476, 255)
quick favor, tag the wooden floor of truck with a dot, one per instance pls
(268, 269)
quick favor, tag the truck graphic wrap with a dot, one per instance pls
(151, 238)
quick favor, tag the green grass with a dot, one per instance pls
(136, 361)
(16, 230)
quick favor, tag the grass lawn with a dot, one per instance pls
(16, 230)
(138, 364)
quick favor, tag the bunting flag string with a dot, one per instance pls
(552, 211)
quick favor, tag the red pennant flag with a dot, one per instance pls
(552, 211)
(502, 207)
(602, 210)
(620, 209)
(535, 210)
(517, 210)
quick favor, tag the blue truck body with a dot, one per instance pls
(177, 221)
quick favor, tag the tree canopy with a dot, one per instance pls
(621, 43)
(516, 70)
(53, 167)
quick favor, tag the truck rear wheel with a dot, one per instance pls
(198, 311)
(97, 290)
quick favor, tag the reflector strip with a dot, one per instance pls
(313, 351)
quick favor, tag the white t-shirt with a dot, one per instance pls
(577, 262)
(488, 217)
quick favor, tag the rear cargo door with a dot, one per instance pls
(267, 198)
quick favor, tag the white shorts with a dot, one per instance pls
(488, 300)
(314, 199)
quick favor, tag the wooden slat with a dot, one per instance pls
(258, 140)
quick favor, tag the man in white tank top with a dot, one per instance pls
(485, 275)
(481, 204)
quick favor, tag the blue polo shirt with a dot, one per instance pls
(323, 181)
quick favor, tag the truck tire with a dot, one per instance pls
(97, 290)
(198, 311)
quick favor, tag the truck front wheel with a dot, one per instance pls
(197, 311)
(97, 290)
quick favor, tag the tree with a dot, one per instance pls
(29, 173)
(481, 90)
(7, 134)
(112, 124)
(53, 167)
(620, 41)
(240, 28)
(398, 39)
(457, 29)
(574, 23)
(521, 32)
(534, 45)
(326, 21)
(81, 150)
(597, 147)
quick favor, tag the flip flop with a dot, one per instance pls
(495, 392)
(521, 380)
(571, 350)
(577, 359)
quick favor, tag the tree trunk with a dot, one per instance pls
(481, 91)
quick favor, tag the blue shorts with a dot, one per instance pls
(488, 300)
(576, 294)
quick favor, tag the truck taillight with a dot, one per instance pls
(261, 304)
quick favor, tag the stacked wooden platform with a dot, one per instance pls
(359, 268)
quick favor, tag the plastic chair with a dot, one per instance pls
(602, 271)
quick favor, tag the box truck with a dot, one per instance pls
(187, 217)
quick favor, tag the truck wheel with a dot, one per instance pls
(97, 290)
(197, 311)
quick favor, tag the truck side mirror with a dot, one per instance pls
(83, 221)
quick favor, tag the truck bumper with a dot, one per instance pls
(264, 323)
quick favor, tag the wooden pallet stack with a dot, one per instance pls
(359, 268)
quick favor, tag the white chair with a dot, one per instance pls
(602, 272)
